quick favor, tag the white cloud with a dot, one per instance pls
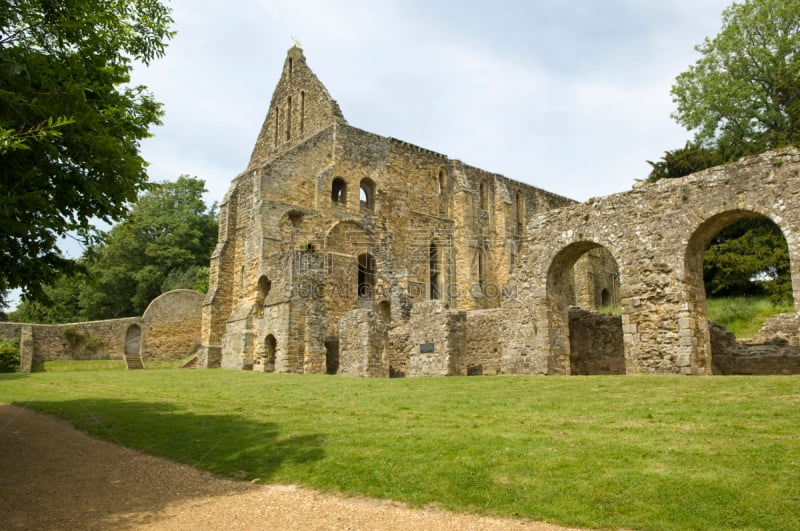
(570, 96)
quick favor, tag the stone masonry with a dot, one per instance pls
(346, 252)
(169, 329)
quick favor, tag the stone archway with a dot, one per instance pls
(697, 327)
(582, 341)
(133, 340)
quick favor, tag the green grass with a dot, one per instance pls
(635, 452)
(100, 365)
(744, 316)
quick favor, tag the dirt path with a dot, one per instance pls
(55, 477)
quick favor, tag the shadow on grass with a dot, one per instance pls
(225, 444)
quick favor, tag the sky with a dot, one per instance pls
(572, 96)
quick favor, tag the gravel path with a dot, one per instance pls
(55, 477)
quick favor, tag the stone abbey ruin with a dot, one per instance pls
(341, 251)
(345, 252)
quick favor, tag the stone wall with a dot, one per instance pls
(436, 340)
(657, 234)
(595, 343)
(362, 347)
(93, 340)
(482, 345)
(775, 349)
(170, 326)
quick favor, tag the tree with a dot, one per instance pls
(70, 126)
(684, 161)
(743, 95)
(749, 257)
(165, 244)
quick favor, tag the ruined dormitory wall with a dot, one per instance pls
(402, 231)
(657, 234)
(169, 329)
(278, 326)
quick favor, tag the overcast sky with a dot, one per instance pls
(568, 95)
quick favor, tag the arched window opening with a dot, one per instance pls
(270, 350)
(289, 118)
(484, 195)
(367, 194)
(605, 298)
(339, 191)
(442, 182)
(264, 285)
(291, 66)
(366, 276)
(520, 203)
(435, 268)
(302, 110)
(482, 269)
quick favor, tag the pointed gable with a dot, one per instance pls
(301, 107)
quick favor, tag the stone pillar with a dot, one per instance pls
(26, 349)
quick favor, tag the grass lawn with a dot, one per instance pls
(744, 316)
(655, 452)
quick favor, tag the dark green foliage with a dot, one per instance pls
(749, 257)
(683, 161)
(9, 357)
(70, 126)
(165, 244)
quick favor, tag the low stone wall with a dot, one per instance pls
(595, 343)
(775, 349)
(96, 340)
(171, 326)
(482, 345)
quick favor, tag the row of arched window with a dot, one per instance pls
(366, 193)
(287, 115)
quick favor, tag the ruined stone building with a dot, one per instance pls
(328, 219)
(345, 252)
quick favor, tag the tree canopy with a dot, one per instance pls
(165, 244)
(70, 125)
(742, 97)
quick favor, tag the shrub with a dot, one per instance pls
(9, 357)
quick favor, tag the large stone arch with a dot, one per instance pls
(697, 327)
(559, 299)
(657, 233)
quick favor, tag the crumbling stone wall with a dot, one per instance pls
(363, 343)
(595, 343)
(657, 234)
(170, 324)
(483, 340)
(775, 349)
(423, 242)
(436, 341)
